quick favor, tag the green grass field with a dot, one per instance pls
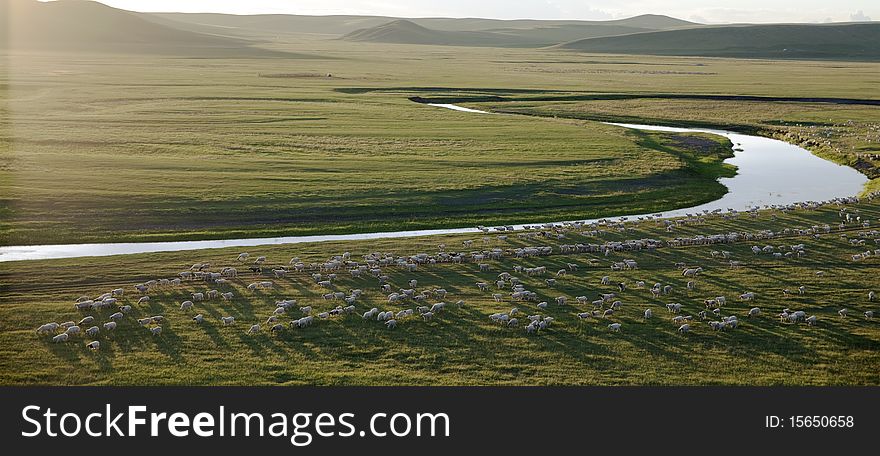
(111, 148)
(461, 346)
(135, 148)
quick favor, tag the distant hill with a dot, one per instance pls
(86, 26)
(520, 33)
(488, 32)
(855, 41)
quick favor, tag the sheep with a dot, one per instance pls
(391, 324)
(607, 313)
(842, 312)
(869, 315)
(63, 337)
(614, 327)
(438, 307)
(227, 296)
(648, 313)
(110, 326)
(227, 320)
(276, 328)
(684, 328)
(542, 305)
(198, 318)
(73, 330)
(427, 316)
(674, 307)
(93, 331)
(306, 310)
(48, 328)
(872, 296)
(561, 300)
(93, 345)
(143, 300)
(253, 329)
(186, 305)
(584, 315)
(67, 324)
(754, 312)
(748, 296)
(605, 280)
(157, 330)
(125, 309)
(811, 321)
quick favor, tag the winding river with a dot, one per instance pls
(769, 172)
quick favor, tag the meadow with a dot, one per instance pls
(110, 148)
(461, 345)
(104, 148)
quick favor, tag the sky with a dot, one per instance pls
(706, 11)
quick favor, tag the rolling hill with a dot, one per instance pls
(851, 41)
(520, 33)
(450, 31)
(86, 26)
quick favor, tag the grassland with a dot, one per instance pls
(461, 346)
(113, 148)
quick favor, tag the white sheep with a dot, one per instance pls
(684, 328)
(227, 320)
(648, 313)
(63, 337)
(93, 345)
(186, 305)
(110, 326)
(754, 312)
(48, 328)
(391, 324)
(157, 330)
(614, 327)
(93, 331)
(73, 330)
(253, 329)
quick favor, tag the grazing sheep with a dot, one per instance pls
(199, 318)
(607, 313)
(63, 337)
(427, 316)
(306, 310)
(614, 327)
(125, 309)
(754, 312)
(227, 320)
(143, 300)
(110, 326)
(276, 328)
(93, 345)
(253, 329)
(542, 305)
(869, 314)
(842, 312)
(67, 324)
(157, 330)
(584, 315)
(684, 328)
(674, 307)
(186, 305)
(811, 321)
(648, 313)
(87, 321)
(73, 330)
(871, 296)
(391, 324)
(48, 328)
(93, 331)
(748, 296)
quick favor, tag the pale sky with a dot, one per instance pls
(707, 11)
